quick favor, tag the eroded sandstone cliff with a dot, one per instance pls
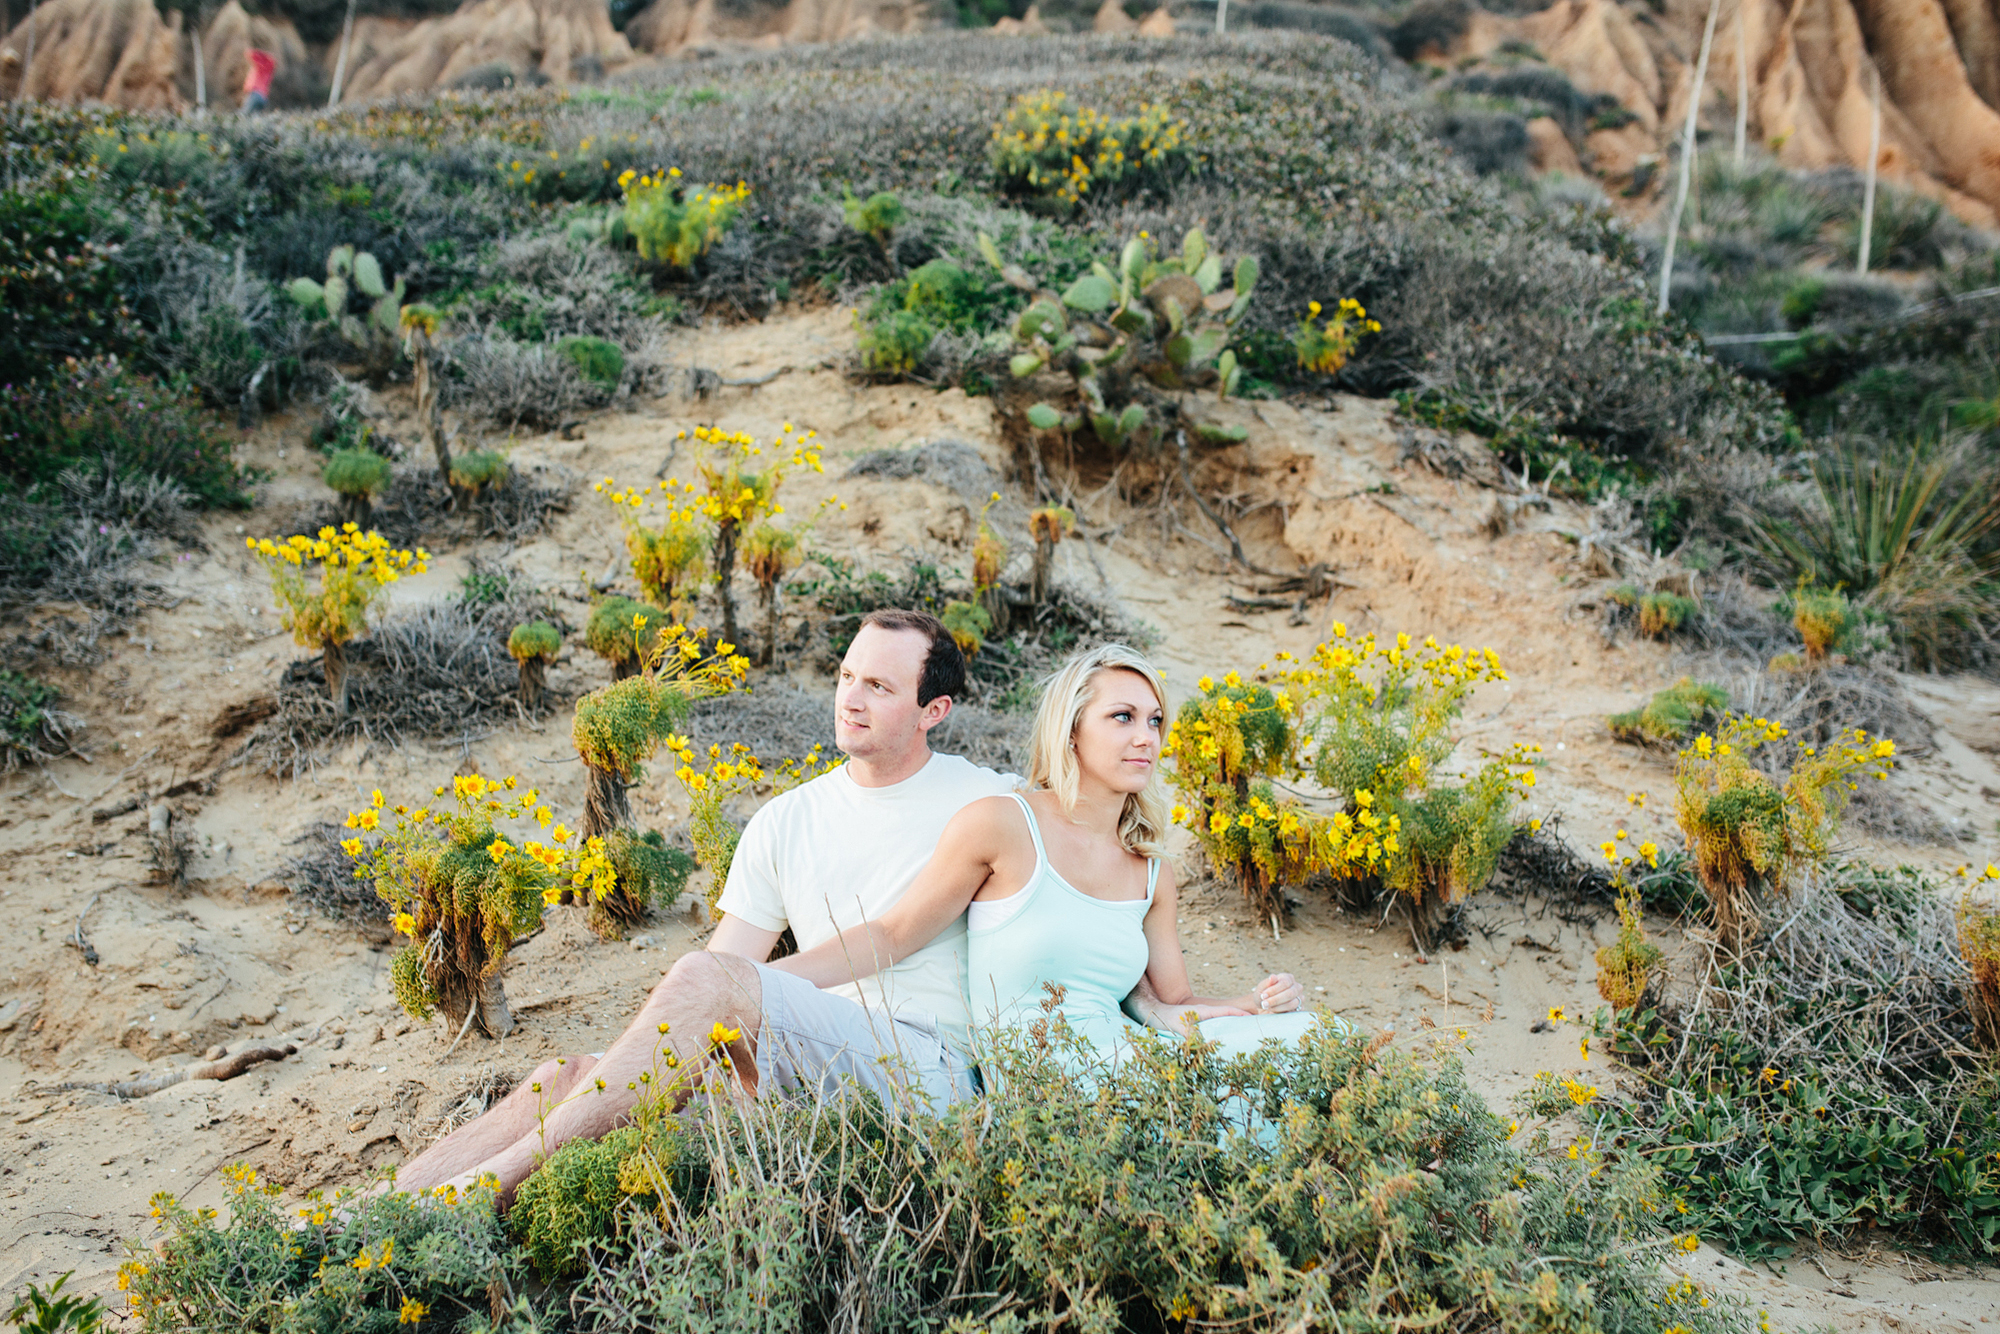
(1808, 69)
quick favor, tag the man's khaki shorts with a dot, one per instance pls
(813, 1040)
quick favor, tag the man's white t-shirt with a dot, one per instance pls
(832, 854)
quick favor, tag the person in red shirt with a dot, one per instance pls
(257, 83)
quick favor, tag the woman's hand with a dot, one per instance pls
(1280, 993)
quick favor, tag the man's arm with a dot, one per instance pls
(735, 936)
(973, 840)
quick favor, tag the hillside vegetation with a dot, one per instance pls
(1116, 245)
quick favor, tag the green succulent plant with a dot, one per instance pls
(351, 273)
(1128, 331)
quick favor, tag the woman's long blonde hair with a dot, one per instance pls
(1052, 764)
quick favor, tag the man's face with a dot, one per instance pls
(875, 709)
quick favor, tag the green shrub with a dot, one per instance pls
(484, 585)
(1672, 714)
(902, 317)
(1660, 614)
(61, 291)
(369, 1264)
(651, 876)
(38, 1312)
(1371, 722)
(571, 1204)
(100, 416)
(610, 636)
(357, 472)
(1291, 1182)
(894, 343)
(877, 216)
(478, 470)
(1823, 618)
(1801, 301)
(1833, 1090)
(598, 360)
(1527, 444)
(672, 226)
(1044, 149)
(32, 729)
(536, 639)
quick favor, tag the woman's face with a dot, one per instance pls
(1117, 739)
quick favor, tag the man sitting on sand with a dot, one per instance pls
(831, 854)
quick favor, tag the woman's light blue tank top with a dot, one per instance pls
(1096, 948)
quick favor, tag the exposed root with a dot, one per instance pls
(229, 1067)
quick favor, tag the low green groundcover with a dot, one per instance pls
(1329, 1185)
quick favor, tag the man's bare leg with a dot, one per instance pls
(515, 1116)
(700, 991)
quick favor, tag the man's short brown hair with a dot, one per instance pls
(944, 665)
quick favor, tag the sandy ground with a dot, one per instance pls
(229, 960)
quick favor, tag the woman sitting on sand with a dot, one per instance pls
(1066, 883)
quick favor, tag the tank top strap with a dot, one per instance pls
(1034, 832)
(1152, 876)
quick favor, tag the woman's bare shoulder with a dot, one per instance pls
(988, 813)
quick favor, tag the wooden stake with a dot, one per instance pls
(28, 65)
(1687, 156)
(200, 67)
(1221, 17)
(1868, 190)
(1742, 84)
(340, 66)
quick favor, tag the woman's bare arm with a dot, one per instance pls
(1172, 995)
(976, 837)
